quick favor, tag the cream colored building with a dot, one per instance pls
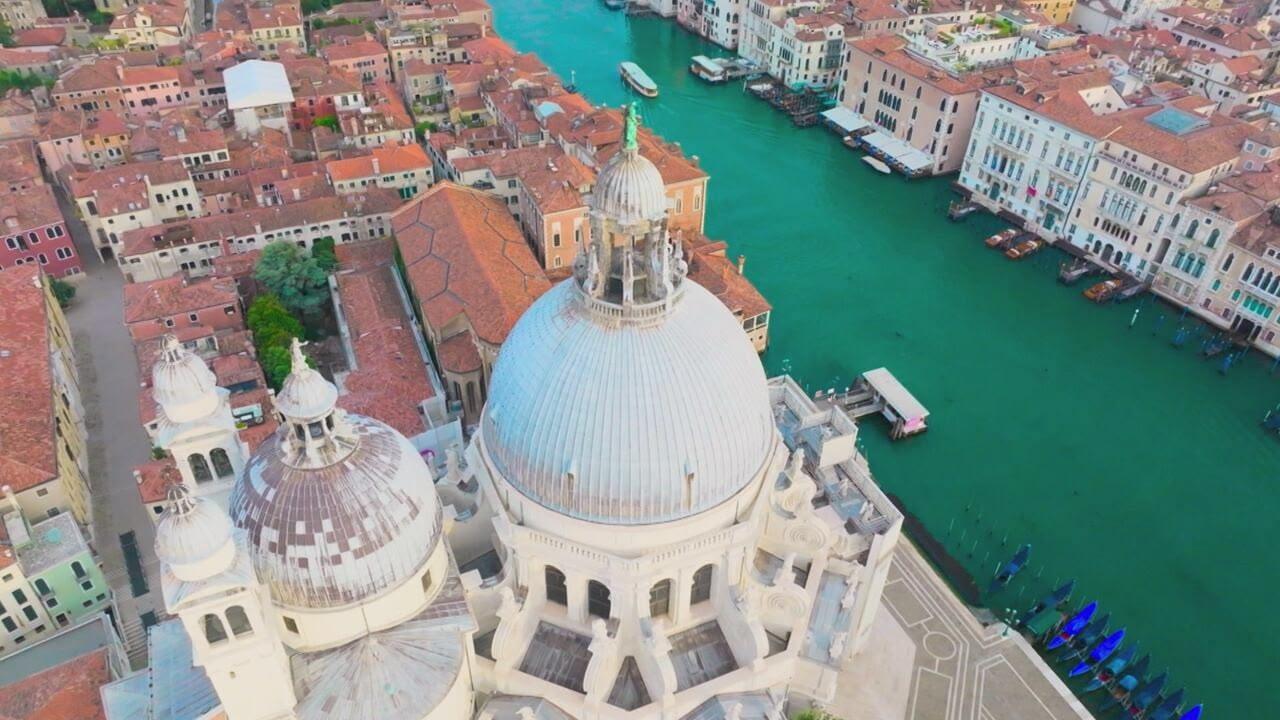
(633, 531)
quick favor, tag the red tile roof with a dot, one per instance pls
(174, 296)
(465, 255)
(69, 691)
(28, 452)
(384, 160)
(390, 378)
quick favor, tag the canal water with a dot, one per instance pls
(1132, 466)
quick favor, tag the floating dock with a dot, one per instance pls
(878, 391)
(718, 70)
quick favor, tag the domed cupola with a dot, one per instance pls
(194, 537)
(630, 189)
(185, 388)
(628, 394)
(338, 508)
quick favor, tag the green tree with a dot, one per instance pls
(63, 291)
(6, 34)
(268, 313)
(322, 251)
(276, 363)
(294, 276)
(329, 121)
(423, 128)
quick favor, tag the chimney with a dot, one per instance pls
(376, 170)
(742, 262)
(297, 193)
(181, 134)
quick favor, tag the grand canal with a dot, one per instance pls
(1131, 466)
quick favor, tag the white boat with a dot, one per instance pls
(638, 79)
(707, 69)
(876, 163)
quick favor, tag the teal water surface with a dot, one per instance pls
(1130, 465)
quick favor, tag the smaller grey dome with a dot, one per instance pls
(182, 384)
(305, 395)
(630, 189)
(194, 536)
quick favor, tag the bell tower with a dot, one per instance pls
(210, 585)
(196, 425)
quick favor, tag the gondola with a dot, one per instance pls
(1193, 714)
(1145, 696)
(1167, 707)
(1053, 599)
(1011, 568)
(1100, 652)
(1112, 668)
(1073, 626)
(1080, 644)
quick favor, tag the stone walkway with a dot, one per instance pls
(930, 659)
(117, 442)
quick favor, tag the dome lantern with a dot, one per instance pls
(314, 432)
(194, 537)
(632, 270)
(183, 384)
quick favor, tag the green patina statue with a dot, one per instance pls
(633, 127)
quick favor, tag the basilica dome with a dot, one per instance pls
(337, 508)
(194, 536)
(631, 423)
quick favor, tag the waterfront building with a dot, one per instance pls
(1152, 160)
(906, 96)
(719, 21)
(807, 50)
(760, 20)
(1033, 139)
(63, 676)
(577, 560)
(43, 452)
(49, 578)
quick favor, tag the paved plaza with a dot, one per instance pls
(930, 659)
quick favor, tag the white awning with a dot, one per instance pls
(845, 119)
(897, 397)
(899, 151)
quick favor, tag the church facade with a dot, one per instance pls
(642, 525)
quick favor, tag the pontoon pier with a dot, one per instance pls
(878, 391)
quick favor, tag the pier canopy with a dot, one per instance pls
(897, 400)
(915, 161)
(708, 68)
(845, 119)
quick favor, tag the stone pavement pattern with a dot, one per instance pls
(930, 659)
(117, 442)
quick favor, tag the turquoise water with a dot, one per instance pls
(1134, 467)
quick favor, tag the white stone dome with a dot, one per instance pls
(341, 533)
(183, 385)
(630, 189)
(194, 536)
(628, 424)
(305, 394)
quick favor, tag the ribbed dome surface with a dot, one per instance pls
(654, 423)
(191, 533)
(630, 189)
(183, 384)
(306, 395)
(339, 534)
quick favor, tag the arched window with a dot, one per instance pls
(1191, 229)
(238, 619)
(556, 590)
(199, 468)
(214, 632)
(1213, 238)
(221, 463)
(78, 569)
(598, 602)
(701, 590)
(660, 598)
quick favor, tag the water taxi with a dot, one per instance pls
(638, 79)
(1024, 248)
(877, 163)
(1002, 238)
(1103, 291)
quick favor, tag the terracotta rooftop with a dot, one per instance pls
(390, 378)
(28, 209)
(28, 452)
(710, 268)
(176, 295)
(555, 179)
(384, 160)
(466, 255)
(69, 691)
